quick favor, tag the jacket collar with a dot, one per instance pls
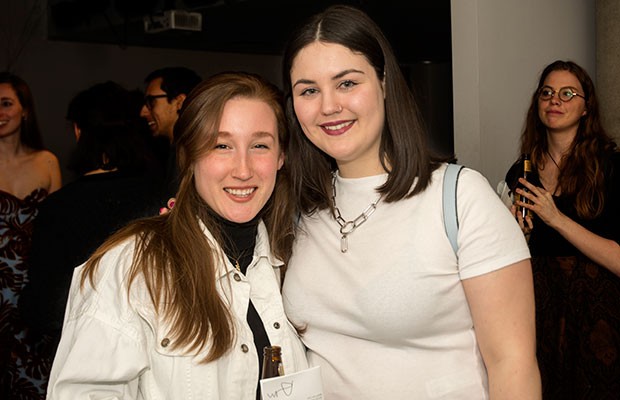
(262, 249)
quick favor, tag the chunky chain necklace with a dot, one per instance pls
(347, 227)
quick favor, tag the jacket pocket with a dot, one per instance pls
(161, 331)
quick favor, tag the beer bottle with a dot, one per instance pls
(526, 173)
(272, 362)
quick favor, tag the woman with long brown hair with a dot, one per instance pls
(28, 174)
(574, 235)
(180, 305)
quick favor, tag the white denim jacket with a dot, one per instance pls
(112, 348)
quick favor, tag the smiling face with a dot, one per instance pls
(558, 115)
(11, 112)
(236, 177)
(340, 105)
(164, 113)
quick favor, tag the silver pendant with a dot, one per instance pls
(347, 227)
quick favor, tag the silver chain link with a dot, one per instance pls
(347, 227)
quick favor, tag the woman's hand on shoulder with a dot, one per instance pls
(168, 207)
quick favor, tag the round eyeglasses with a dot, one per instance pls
(564, 94)
(149, 100)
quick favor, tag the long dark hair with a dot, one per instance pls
(173, 256)
(113, 136)
(582, 176)
(403, 141)
(30, 135)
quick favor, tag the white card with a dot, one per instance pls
(302, 385)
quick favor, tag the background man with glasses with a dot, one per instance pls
(166, 90)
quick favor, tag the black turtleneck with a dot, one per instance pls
(239, 241)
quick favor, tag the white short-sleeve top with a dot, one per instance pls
(389, 318)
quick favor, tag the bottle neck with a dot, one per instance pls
(272, 362)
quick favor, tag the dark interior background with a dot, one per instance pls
(419, 31)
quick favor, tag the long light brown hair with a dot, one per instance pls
(582, 176)
(172, 255)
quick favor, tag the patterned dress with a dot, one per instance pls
(24, 366)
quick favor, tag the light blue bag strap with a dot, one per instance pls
(450, 216)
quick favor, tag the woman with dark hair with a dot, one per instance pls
(180, 305)
(388, 309)
(574, 235)
(28, 173)
(114, 187)
(108, 134)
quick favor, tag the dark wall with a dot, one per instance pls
(431, 83)
(57, 65)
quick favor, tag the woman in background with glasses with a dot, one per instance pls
(575, 231)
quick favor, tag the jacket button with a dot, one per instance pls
(165, 342)
(237, 277)
(276, 325)
(244, 348)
